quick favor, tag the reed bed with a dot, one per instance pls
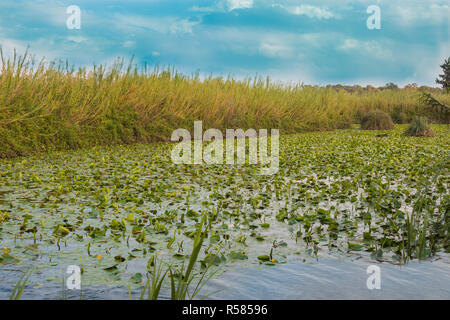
(54, 106)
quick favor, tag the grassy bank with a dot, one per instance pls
(54, 106)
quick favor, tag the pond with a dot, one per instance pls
(341, 201)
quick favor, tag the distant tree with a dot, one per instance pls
(411, 86)
(391, 86)
(370, 88)
(444, 79)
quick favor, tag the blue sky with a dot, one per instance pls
(309, 41)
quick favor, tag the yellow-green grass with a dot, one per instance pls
(54, 106)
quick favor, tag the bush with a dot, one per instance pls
(377, 120)
(399, 116)
(419, 128)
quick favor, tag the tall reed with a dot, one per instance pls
(48, 106)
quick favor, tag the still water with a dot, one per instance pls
(323, 279)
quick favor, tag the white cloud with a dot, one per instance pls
(239, 4)
(166, 25)
(410, 15)
(129, 44)
(270, 43)
(225, 5)
(437, 6)
(77, 39)
(275, 50)
(9, 45)
(49, 50)
(371, 48)
(204, 9)
(350, 44)
(427, 63)
(183, 26)
(309, 11)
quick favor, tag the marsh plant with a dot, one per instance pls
(55, 106)
(377, 120)
(20, 285)
(419, 127)
(240, 146)
(181, 279)
(423, 232)
(155, 279)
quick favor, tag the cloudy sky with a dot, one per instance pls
(310, 41)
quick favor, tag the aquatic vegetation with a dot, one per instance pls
(420, 237)
(47, 107)
(155, 281)
(126, 212)
(377, 120)
(179, 287)
(419, 127)
(4, 216)
(20, 285)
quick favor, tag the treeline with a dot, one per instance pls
(388, 86)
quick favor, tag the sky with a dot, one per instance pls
(309, 41)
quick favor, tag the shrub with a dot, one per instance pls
(399, 116)
(343, 122)
(377, 120)
(419, 128)
(402, 118)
